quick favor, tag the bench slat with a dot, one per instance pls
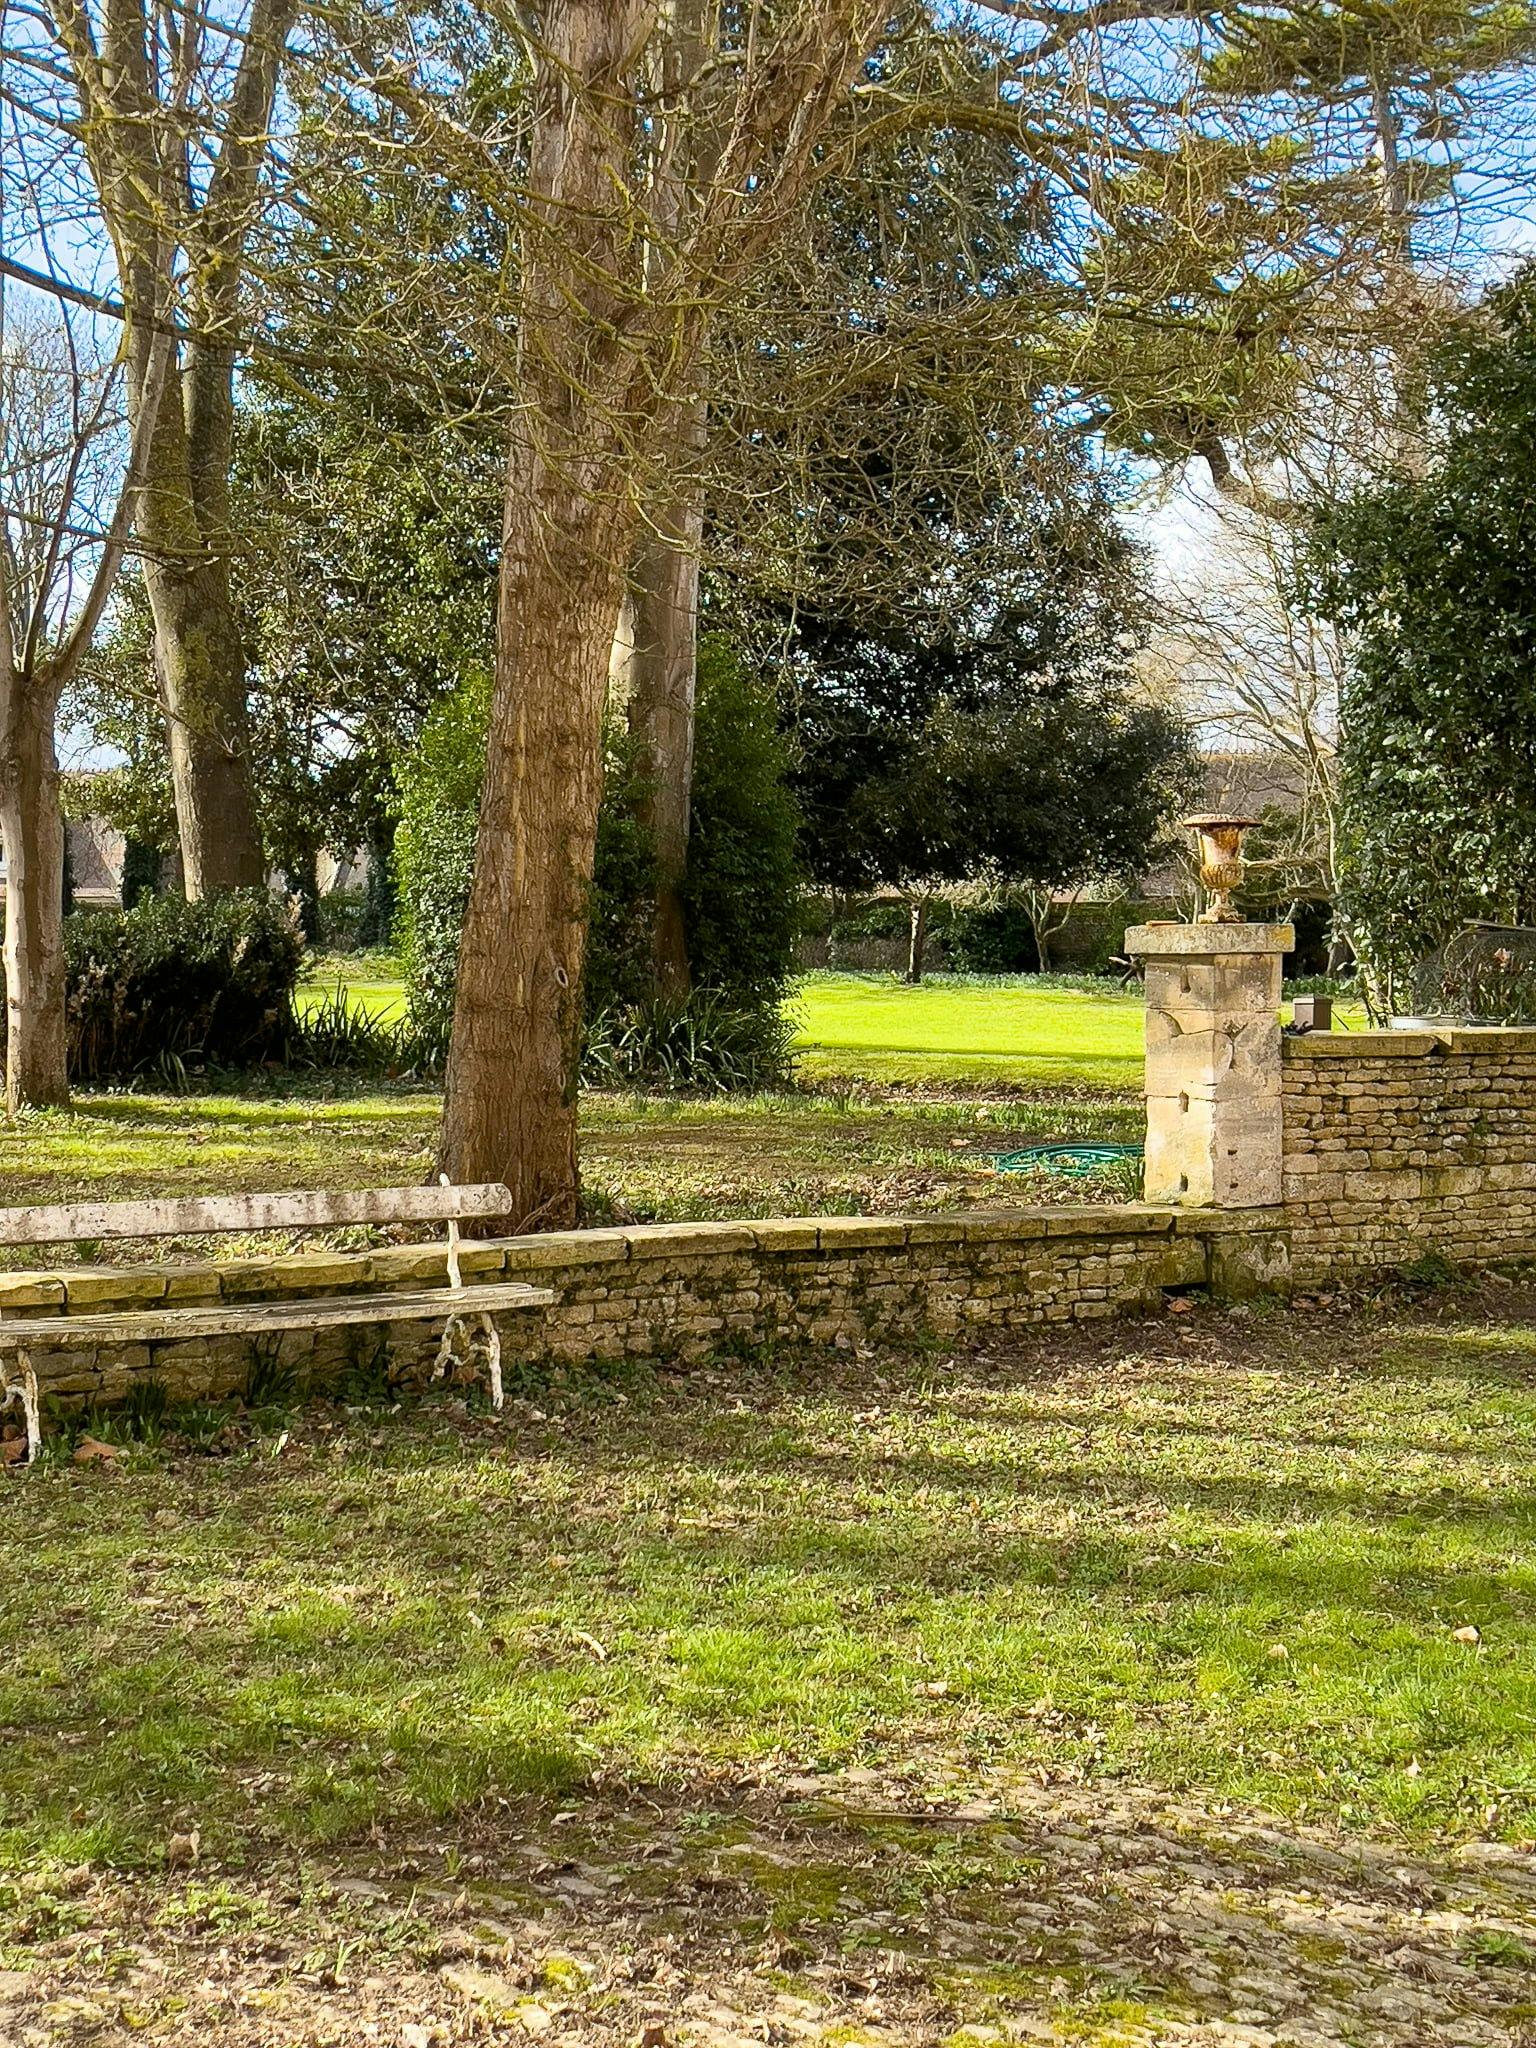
(190, 1215)
(162, 1325)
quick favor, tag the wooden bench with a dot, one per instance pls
(457, 1305)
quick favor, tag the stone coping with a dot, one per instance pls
(412, 1266)
(1490, 1039)
(1208, 941)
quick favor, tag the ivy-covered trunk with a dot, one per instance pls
(32, 834)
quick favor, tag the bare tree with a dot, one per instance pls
(66, 502)
(162, 115)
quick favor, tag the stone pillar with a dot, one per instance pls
(1213, 1062)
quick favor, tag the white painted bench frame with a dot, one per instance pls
(459, 1305)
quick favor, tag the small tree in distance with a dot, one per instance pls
(1014, 744)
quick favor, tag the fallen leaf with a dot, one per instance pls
(1469, 1634)
(92, 1451)
(182, 1851)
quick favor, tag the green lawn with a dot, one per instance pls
(969, 1029)
(1010, 1032)
(962, 1030)
(1214, 1552)
(644, 1158)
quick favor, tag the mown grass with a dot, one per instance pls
(969, 1028)
(644, 1157)
(1215, 1553)
(954, 1028)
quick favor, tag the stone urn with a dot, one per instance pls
(1221, 864)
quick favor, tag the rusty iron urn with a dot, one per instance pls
(1221, 864)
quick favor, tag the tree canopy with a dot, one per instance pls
(1430, 576)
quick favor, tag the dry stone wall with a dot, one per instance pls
(1401, 1143)
(670, 1291)
(1285, 1161)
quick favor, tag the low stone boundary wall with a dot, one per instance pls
(678, 1290)
(1399, 1143)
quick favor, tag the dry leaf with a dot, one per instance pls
(1469, 1634)
(92, 1451)
(182, 1851)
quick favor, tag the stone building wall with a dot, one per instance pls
(1401, 1143)
(671, 1291)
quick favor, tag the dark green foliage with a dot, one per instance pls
(435, 851)
(381, 903)
(207, 983)
(995, 938)
(1004, 740)
(143, 1413)
(1430, 576)
(741, 894)
(618, 970)
(336, 1035)
(142, 865)
(706, 1041)
(270, 1382)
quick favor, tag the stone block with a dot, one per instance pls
(855, 1233)
(782, 1234)
(407, 1265)
(31, 1290)
(1233, 987)
(681, 1240)
(1246, 1264)
(193, 1282)
(107, 1287)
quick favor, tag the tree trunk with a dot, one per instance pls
(32, 833)
(199, 656)
(917, 940)
(510, 1107)
(663, 665)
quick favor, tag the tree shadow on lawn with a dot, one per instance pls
(909, 1648)
(784, 1906)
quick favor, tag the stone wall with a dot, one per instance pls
(677, 1290)
(1399, 1143)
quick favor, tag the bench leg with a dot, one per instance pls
(483, 1326)
(23, 1389)
(493, 1361)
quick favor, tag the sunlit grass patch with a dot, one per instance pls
(1219, 1555)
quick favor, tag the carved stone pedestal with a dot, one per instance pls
(1213, 1061)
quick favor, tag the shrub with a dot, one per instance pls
(995, 938)
(343, 919)
(170, 981)
(703, 1042)
(741, 892)
(434, 855)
